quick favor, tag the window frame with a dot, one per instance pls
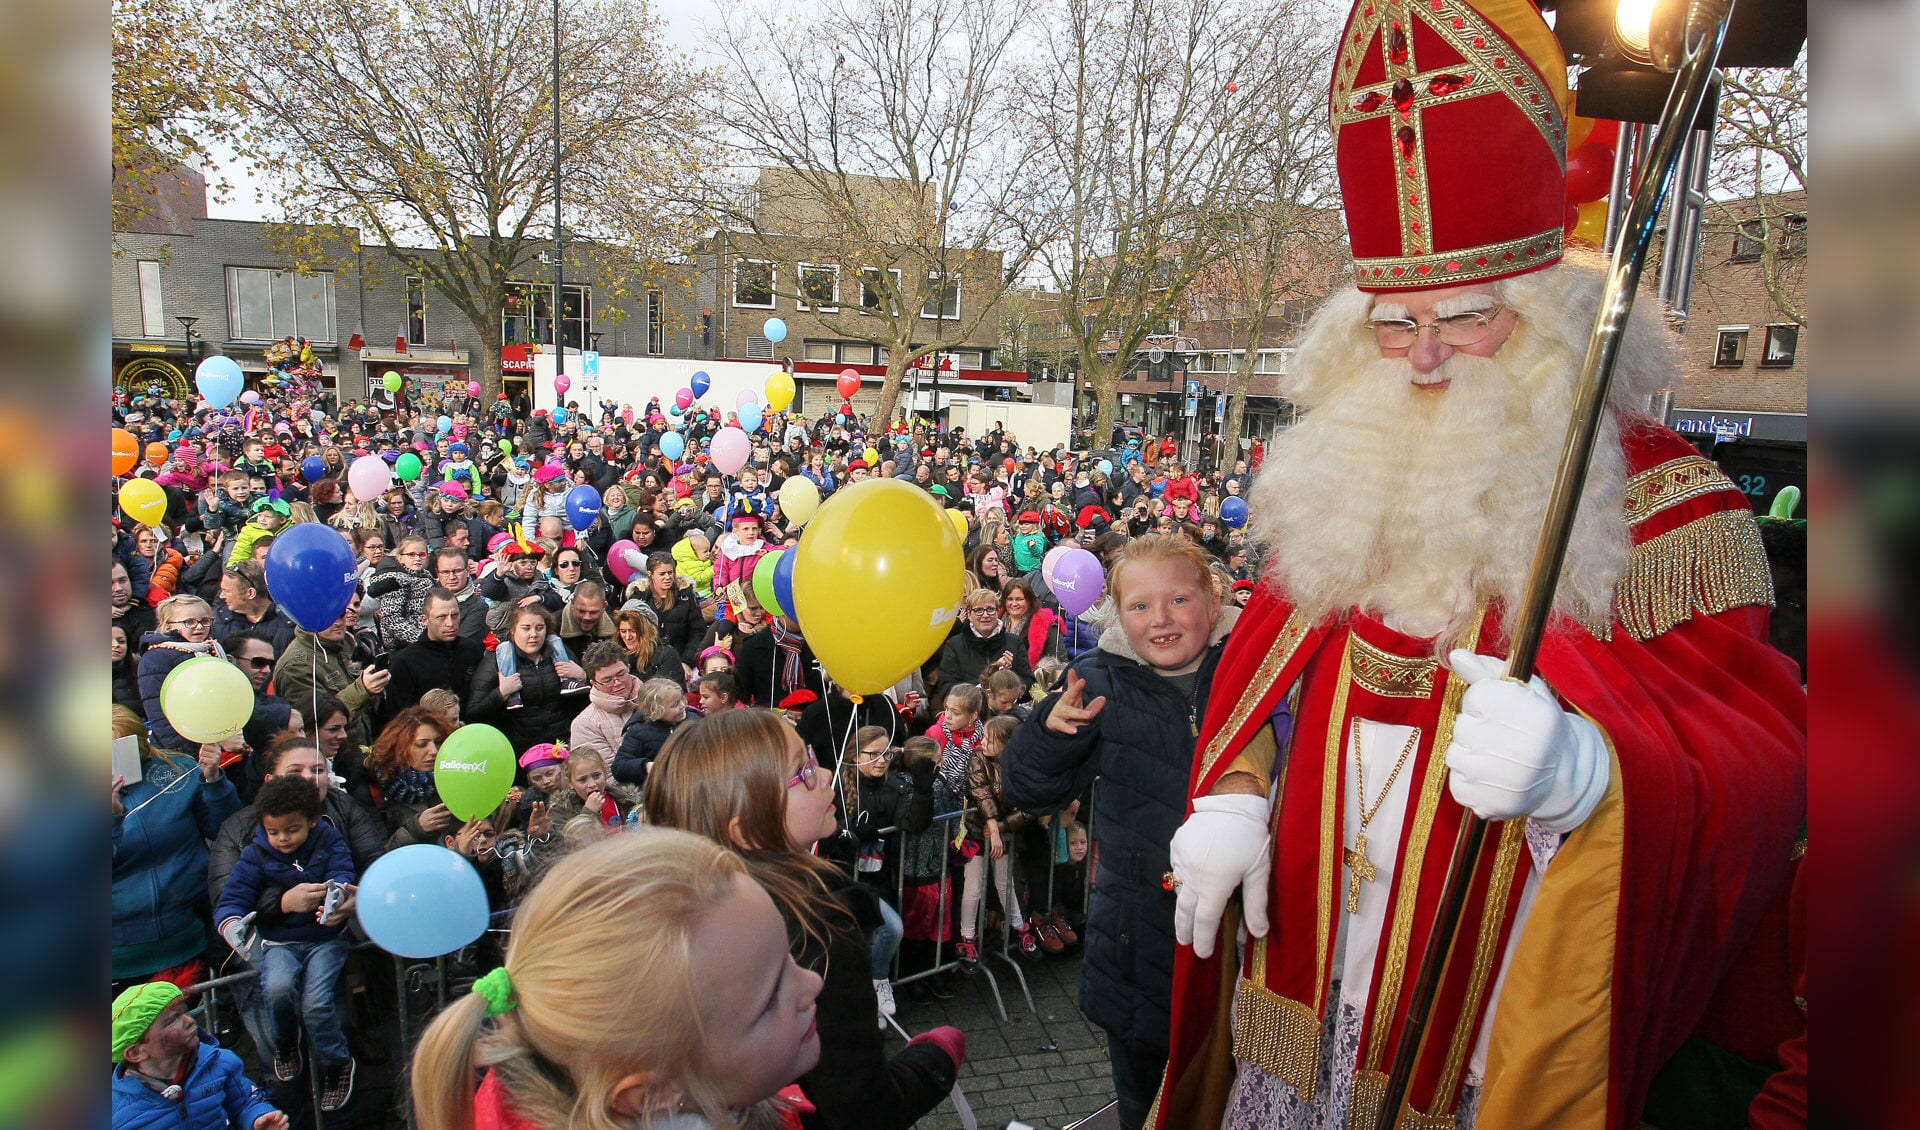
(416, 318)
(800, 287)
(656, 323)
(940, 315)
(832, 349)
(1743, 334)
(325, 335)
(899, 284)
(153, 306)
(773, 285)
(1766, 346)
(535, 293)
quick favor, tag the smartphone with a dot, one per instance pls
(380, 661)
(336, 894)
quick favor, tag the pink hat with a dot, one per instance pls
(546, 753)
(547, 472)
(452, 488)
(496, 541)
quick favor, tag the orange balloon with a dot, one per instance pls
(157, 453)
(1592, 227)
(126, 451)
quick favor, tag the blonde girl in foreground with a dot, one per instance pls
(647, 986)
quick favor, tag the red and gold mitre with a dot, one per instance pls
(1449, 118)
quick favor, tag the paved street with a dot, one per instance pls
(1045, 1067)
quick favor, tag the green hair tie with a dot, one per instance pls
(497, 988)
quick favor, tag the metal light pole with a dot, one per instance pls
(559, 233)
(186, 328)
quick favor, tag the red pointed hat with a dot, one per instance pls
(1450, 126)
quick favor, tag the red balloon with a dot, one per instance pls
(1233, 88)
(1605, 132)
(848, 384)
(1573, 217)
(1589, 172)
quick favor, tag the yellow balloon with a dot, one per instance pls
(204, 701)
(873, 459)
(959, 521)
(877, 581)
(144, 501)
(799, 499)
(779, 391)
(1593, 223)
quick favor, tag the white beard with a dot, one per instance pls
(1424, 507)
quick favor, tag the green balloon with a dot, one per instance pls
(506, 447)
(474, 770)
(407, 467)
(391, 380)
(763, 582)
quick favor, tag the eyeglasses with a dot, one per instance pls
(1470, 328)
(566, 564)
(808, 775)
(195, 622)
(259, 663)
(984, 610)
(611, 682)
(411, 553)
(869, 756)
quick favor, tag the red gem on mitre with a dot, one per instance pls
(1418, 199)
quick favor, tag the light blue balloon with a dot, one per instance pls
(750, 416)
(673, 445)
(219, 381)
(422, 901)
(1106, 466)
(774, 330)
(443, 425)
(559, 415)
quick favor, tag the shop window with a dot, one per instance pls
(268, 305)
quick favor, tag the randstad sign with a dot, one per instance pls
(1790, 427)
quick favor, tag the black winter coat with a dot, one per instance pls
(545, 715)
(424, 665)
(965, 656)
(1140, 749)
(640, 743)
(756, 668)
(682, 625)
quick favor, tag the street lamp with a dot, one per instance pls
(186, 328)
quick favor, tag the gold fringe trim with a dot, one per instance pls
(1411, 1119)
(1369, 1095)
(1709, 565)
(1279, 1036)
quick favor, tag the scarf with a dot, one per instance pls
(411, 786)
(611, 703)
(956, 752)
(789, 672)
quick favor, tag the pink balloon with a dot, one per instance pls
(730, 450)
(1048, 562)
(473, 388)
(369, 477)
(627, 415)
(683, 399)
(617, 562)
(747, 396)
(561, 384)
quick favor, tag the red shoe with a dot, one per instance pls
(1049, 937)
(967, 952)
(1060, 927)
(1028, 947)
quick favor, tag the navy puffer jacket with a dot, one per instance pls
(1140, 751)
(165, 651)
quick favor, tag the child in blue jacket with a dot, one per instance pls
(168, 1074)
(281, 880)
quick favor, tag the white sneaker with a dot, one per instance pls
(883, 989)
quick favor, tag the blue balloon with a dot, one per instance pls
(313, 468)
(219, 380)
(1233, 511)
(774, 330)
(750, 416)
(1106, 466)
(783, 583)
(672, 445)
(839, 417)
(559, 415)
(583, 506)
(700, 382)
(310, 573)
(422, 901)
(443, 425)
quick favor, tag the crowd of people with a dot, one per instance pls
(639, 678)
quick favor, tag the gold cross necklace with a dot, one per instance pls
(1360, 868)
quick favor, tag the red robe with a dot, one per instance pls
(1643, 911)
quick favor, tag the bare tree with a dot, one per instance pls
(1760, 156)
(171, 101)
(876, 128)
(1143, 114)
(428, 125)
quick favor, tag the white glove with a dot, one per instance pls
(1515, 753)
(1223, 845)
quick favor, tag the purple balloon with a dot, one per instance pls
(1048, 562)
(1078, 583)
